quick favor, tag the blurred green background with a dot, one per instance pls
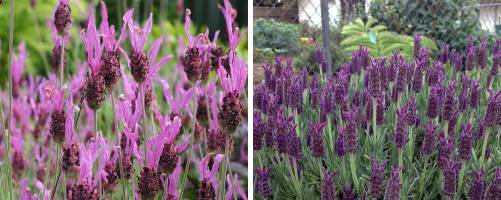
(31, 18)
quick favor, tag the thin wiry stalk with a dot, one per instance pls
(47, 170)
(188, 159)
(56, 177)
(11, 82)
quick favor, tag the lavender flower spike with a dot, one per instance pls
(477, 185)
(393, 186)
(263, 182)
(377, 178)
(465, 143)
(328, 190)
(317, 139)
(208, 177)
(450, 177)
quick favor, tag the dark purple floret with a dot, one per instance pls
(456, 60)
(395, 61)
(328, 190)
(169, 158)
(417, 45)
(95, 91)
(465, 142)
(491, 113)
(434, 102)
(206, 191)
(62, 17)
(350, 130)
(111, 68)
(474, 94)
(451, 177)
(139, 66)
(317, 139)
(434, 72)
(470, 54)
(428, 144)
(410, 108)
(269, 79)
(294, 147)
(148, 183)
(445, 148)
(482, 54)
(57, 125)
(393, 185)
(380, 111)
(263, 182)
(401, 80)
(229, 112)
(259, 131)
(477, 185)
(375, 72)
(493, 191)
(193, 65)
(377, 178)
(401, 130)
(348, 193)
(444, 55)
(449, 102)
(417, 79)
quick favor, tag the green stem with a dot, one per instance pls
(229, 169)
(11, 54)
(484, 147)
(353, 171)
(47, 170)
(56, 176)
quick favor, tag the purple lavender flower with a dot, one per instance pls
(493, 191)
(258, 129)
(418, 73)
(477, 185)
(444, 55)
(449, 102)
(393, 186)
(491, 113)
(474, 94)
(380, 111)
(294, 147)
(208, 177)
(451, 177)
(482, 54)
(269, 137)
(62, 17)
(375, 72)
(410, 107)
(377, 178)
(263, 182)
(417, 45)
(470, 54)
(350, 130)
(317, 139)
(395, 61)
(429, 139)
(401, 80)
(328, 190)
(318, 57)
(348, 193)
(445, 148)
(456, 60)
(434, 73)
(401, 130)
(434, 102)
(496, 61)
(465, 142)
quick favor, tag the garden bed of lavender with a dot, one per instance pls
(118, 128)
(425, 127)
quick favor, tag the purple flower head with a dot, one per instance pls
(410, 108)
(482, 54)
(445, 148)
(417, 80)
(496, 61)
(377, 178)
(434, 102)
(401, 130)
(294, 147)
(449, 102)
(380, 111)
(450, 172)
(62, 17)
(319, 58)
(428, 144)
(434, 73)
(317, 139)
(393, 186)
(263, 182)
(444, 55)
(470, 54)
(375, 74)
(465, 142)
(327, 189)
(258, 130)
(477, 185)
(492, 110)
(417, 45)
(18, 64)
(359, 59)
(348, 193)
(93, 46)
(350, 130)
(456, 60)
(474, 94)
(395, 61)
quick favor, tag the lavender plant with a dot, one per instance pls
(157, 148)
(424, 127)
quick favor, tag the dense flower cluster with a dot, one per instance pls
(102, 133)
(423, 124)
